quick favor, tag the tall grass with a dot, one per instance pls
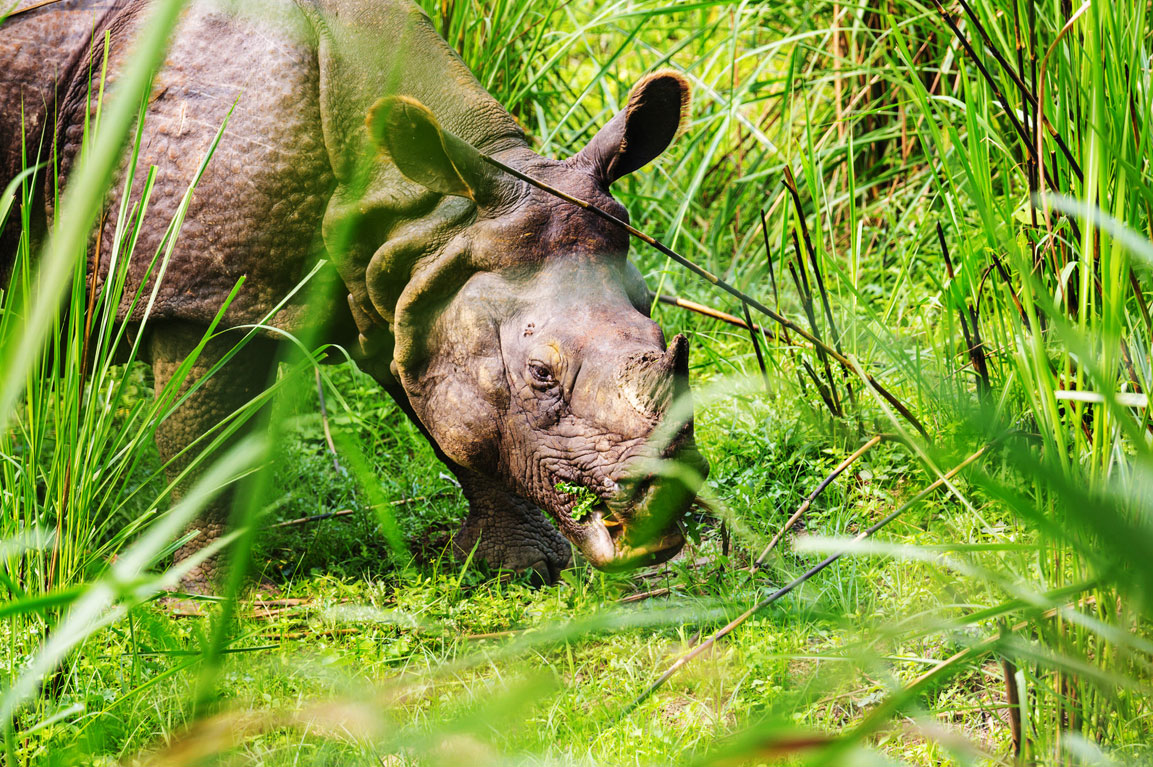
(86, 513)
(1019, 131)
(958, 197)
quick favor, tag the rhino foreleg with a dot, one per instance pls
(502, 529)
(507, 531)
(227, 390)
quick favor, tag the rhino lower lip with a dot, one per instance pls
(605, 517)
(599, 547)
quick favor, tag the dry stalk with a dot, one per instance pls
(32, 7)
(643, 595)
(812, 497)
(716, 314)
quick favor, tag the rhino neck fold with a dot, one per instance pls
(368, 50)
(380, 229)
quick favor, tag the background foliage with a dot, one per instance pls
(969, 220)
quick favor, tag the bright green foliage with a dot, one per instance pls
(996, 284)
(585, 499)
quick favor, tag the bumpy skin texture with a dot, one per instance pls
(218, 397)
(508, 323)
(505, 529)
(257, 210)
(38, 56)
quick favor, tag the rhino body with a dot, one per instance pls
(508, 323)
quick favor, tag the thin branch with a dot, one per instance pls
(777, 304)
(1016, 78)
(1031, 149)
(812, 497)
(1041, 119)
(314, 518)
(972, 342)
(806, 295)
(757, 348)
(293, 635)
(1004, 274)
(716, 314)
(643, 595)
(791, 184)
(1013, 701)
(769, 259)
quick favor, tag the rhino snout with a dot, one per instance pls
(638, 521)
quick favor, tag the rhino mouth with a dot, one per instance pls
(638, 521)
(634, 529)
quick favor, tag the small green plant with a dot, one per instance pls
(586, 499)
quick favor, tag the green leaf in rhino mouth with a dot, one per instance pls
(586, 499)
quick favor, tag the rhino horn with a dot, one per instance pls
(649, 380)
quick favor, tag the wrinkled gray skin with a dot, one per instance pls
(506, 322)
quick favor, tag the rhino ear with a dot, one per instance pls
(642, 130)
(427, 154)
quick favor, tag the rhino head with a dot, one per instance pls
(523, 341)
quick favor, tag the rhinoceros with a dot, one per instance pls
(508, 323)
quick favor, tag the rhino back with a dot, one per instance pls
(257, 209)
(298, 77)
(39, 49)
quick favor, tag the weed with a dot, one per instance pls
(585, 499)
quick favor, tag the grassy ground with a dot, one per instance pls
(439, 665)
(998, 291)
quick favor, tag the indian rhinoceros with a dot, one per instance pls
(507, 322)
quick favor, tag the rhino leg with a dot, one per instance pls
(508, 531)
(245, 376)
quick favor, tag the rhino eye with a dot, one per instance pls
(541, 374)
